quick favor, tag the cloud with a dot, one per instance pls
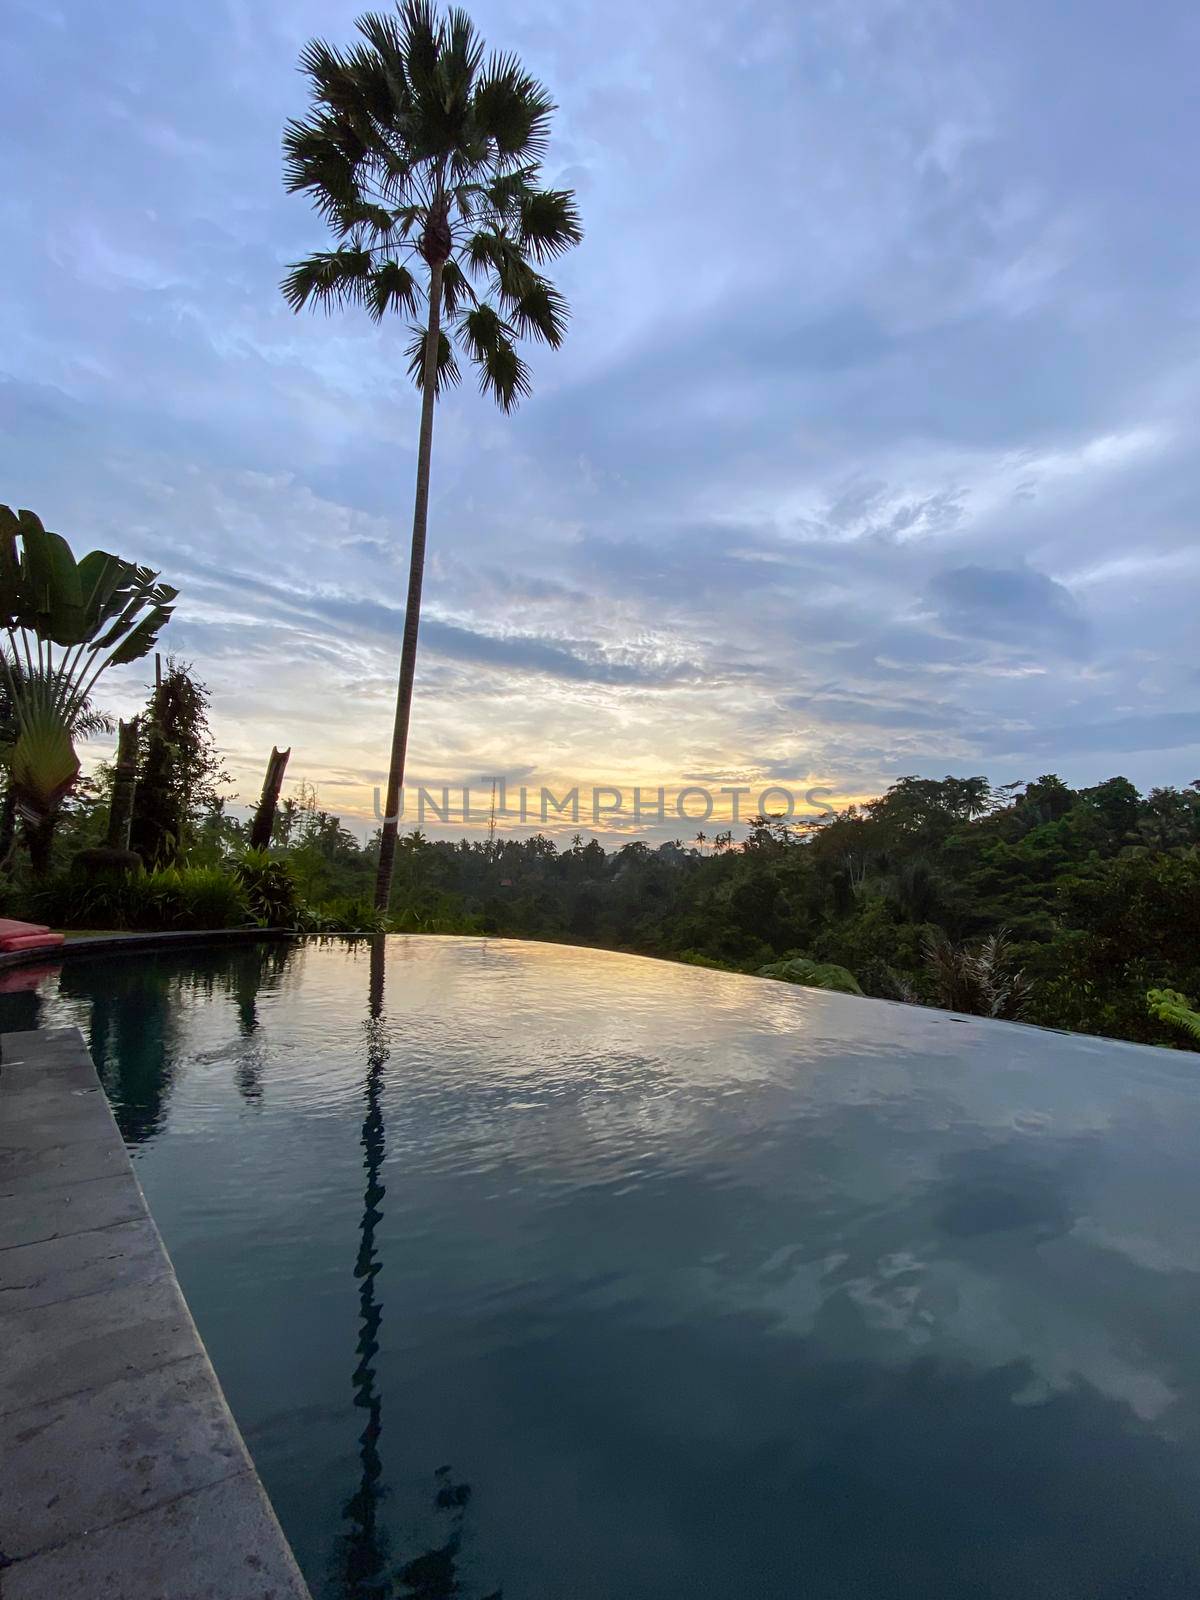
(870, 442)
(1009, 605)
(1166, 731)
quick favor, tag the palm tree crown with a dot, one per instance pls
(417, 148)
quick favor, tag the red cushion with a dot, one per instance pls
(32, 941)
(14, 930)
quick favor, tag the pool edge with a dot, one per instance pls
(125, 1472)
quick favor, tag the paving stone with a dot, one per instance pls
(217, 1543)
(40, 1052)
(18, 1079)
(56, 1350)
(56, 1270)
(146, 1440)
(36, 1214)
(125, 1476)
(44, 1166)
(54, 1113)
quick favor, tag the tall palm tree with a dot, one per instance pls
(421, 153)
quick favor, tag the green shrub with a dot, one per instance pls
(270, 889)
(813, 974)
(697, 958)
(210, 898)
(76, 900)
(350, 915)
(192, 897)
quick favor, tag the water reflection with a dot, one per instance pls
(364, 1549)
(433, 1575)
(139, 1029)
(696, 1286)
(364, 1562)
(254, 968)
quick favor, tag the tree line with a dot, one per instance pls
(1032, 901)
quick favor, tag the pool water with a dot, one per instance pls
(563, 1275)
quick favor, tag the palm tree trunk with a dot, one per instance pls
(264, 818)
(39, 839)
(412, 610)
(120, 807)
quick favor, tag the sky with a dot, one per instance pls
(871, 449)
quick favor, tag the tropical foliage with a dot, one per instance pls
(1049, 904)
(1176, 1009)
(812, 974)
(1040, 902)
(179, 772)
(98, 612)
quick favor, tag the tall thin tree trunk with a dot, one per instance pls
(39, 839)
(120, 806)
(412, 610)
(8, 827)
(264, 817)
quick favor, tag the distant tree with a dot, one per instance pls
(1171, 817)
(1124, 926)
(419, 149)
(179, 768)
(1047, 800)
(1117, 804)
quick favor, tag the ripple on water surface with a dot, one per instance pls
(555, 1273)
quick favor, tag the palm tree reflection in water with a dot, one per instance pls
(364, 1549)
(433, 1575)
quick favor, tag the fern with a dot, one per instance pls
(1168, 1005)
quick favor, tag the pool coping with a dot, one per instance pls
(97, 943)
(124, 1472)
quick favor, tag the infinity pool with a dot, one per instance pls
(562, 1275)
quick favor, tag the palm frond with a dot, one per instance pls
(329, 278)
(448, 374)
(456, 289)
(462, 52)
(488, 340)
(358, 214)
(542, 312)
(490, 250)
(480, 329)
(512, 110)
(505, 376)
(326, 67)
(550, 223)
(506, 188)
(320, 157)
(391, 287)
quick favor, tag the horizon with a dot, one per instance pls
(890, 473)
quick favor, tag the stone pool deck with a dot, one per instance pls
(122, 1471)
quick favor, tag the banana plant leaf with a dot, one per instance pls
(141, 641)
(43, 764)
(100, 579)
(112, 609)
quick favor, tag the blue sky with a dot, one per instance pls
(871, 449)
